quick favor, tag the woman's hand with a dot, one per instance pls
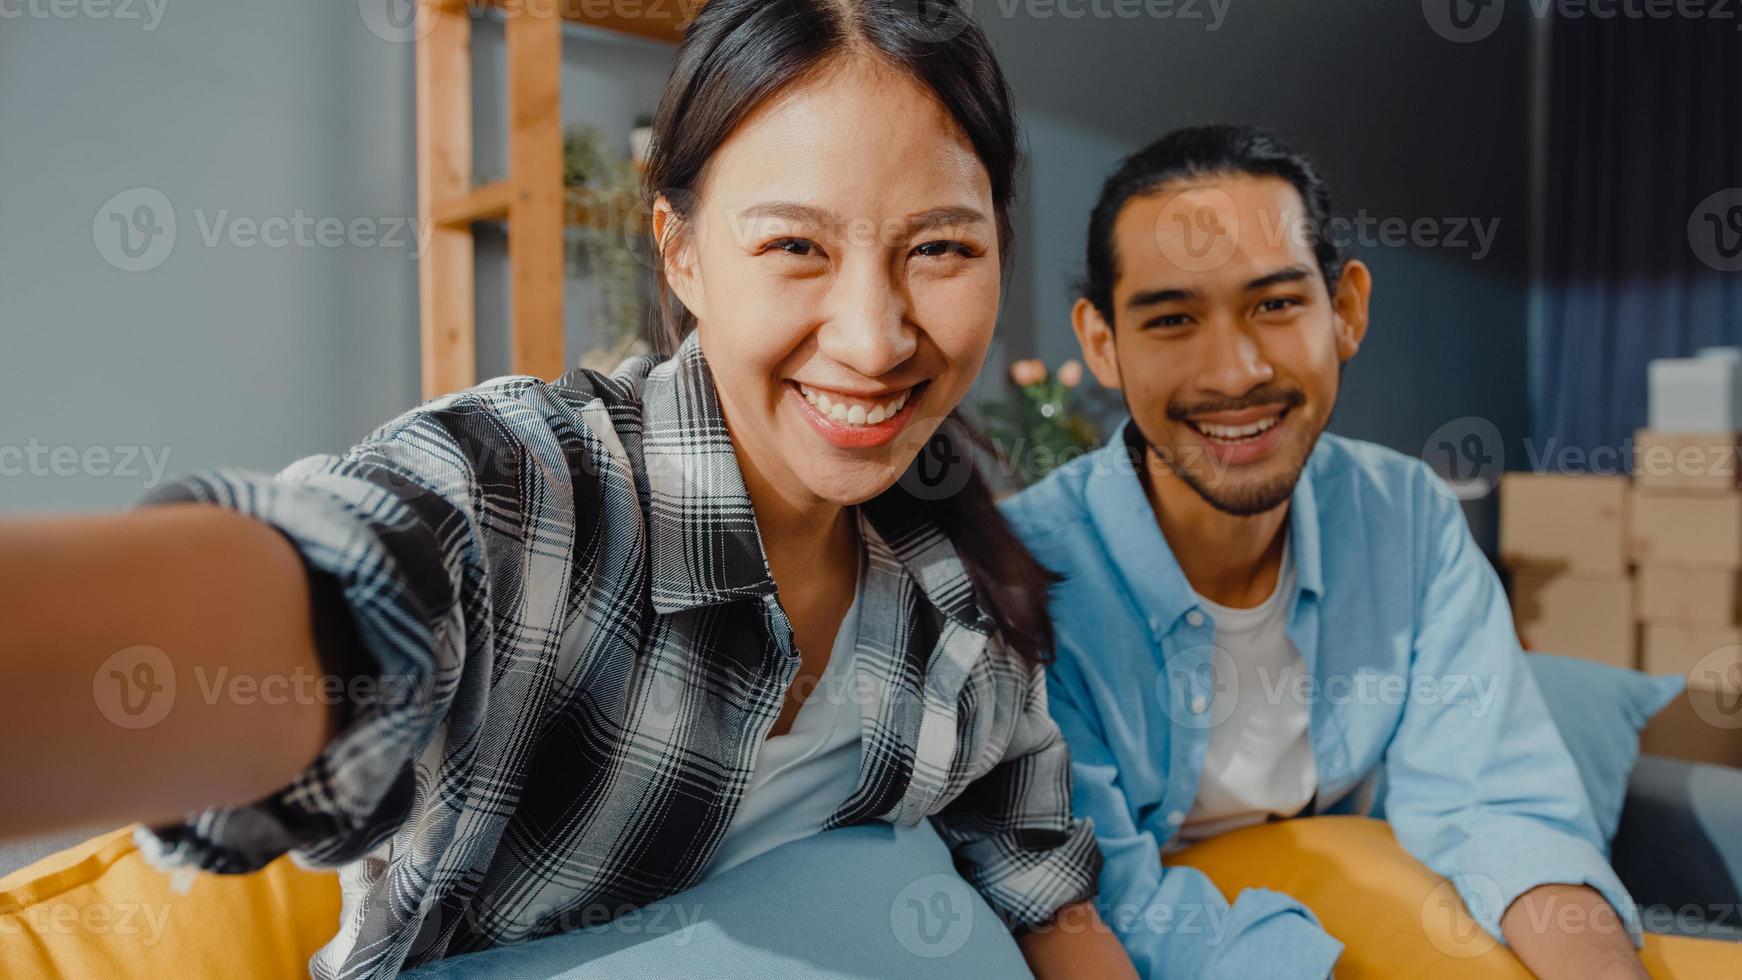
(1076, 944)
(149, 666)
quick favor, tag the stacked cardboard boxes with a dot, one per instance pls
(1687, 521)
(1564, 540)
(1647, 572)
(1686, 535)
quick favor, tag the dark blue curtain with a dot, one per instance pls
(1644, 124)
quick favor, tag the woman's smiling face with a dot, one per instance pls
(842, 264)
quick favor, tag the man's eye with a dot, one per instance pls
(1170, 320)
(942, 248)
(1277, 304)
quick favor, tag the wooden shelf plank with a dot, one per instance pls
(535, 169)
(489, 202)
(446, 326)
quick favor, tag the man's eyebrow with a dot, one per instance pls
(1294, 273)
(1156, 297)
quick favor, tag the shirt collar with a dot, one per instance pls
(706, 548)
(701, 528)
(1126, 524)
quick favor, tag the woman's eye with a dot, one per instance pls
(794, 246)
(942, 248)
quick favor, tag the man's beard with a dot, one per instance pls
(1240, 501)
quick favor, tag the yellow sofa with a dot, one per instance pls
(98, 910)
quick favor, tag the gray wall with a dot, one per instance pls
(252, 355)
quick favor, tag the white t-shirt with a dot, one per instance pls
(802, 777)
(1259, 762)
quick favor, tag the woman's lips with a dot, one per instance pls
(845, 435)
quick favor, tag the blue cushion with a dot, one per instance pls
(869, 901)
(1600, 710)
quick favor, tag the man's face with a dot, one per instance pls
(1227, 342)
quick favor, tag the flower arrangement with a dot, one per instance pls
(1041, 426)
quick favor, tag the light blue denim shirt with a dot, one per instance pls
(1418, 683)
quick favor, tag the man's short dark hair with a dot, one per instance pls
(1202, 151)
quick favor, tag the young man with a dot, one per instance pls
(1259, 619)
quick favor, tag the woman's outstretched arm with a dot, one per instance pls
(149, 666)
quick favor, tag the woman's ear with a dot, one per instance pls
(1353, 290)
(1095, 337)
(673, 247)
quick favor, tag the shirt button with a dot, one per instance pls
(1199, 704)
(1195, 618)
(1176, 818)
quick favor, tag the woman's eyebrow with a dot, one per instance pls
(791, 211)
(809, 215)
(946, 216)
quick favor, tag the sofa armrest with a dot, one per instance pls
(1679, 846)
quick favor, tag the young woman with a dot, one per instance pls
(584, 630)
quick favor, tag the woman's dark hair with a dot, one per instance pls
(738, 53)
(1194, 152)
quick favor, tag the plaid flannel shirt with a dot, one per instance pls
(561, 592)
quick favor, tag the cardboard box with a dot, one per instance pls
(1709, 657)
(1588, 616)
(1568, 523)
(1673, 595)
(1685, 460)
(1695, 394)
(1702, 530)
(1700, 725)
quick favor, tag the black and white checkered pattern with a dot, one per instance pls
(580, 649)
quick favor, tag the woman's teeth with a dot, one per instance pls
(1235, 433)
(854, 413)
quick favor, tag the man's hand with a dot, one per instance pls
(1570, 931)
(1076, 944)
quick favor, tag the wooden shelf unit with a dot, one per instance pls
(531, 199)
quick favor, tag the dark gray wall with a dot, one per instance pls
(1403, 122)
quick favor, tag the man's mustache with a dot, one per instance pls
(1256, 398)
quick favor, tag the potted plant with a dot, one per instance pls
(1042, 424)
(605, 239)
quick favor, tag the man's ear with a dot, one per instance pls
(1095, 337)
(1353, 291)
(673, 245)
